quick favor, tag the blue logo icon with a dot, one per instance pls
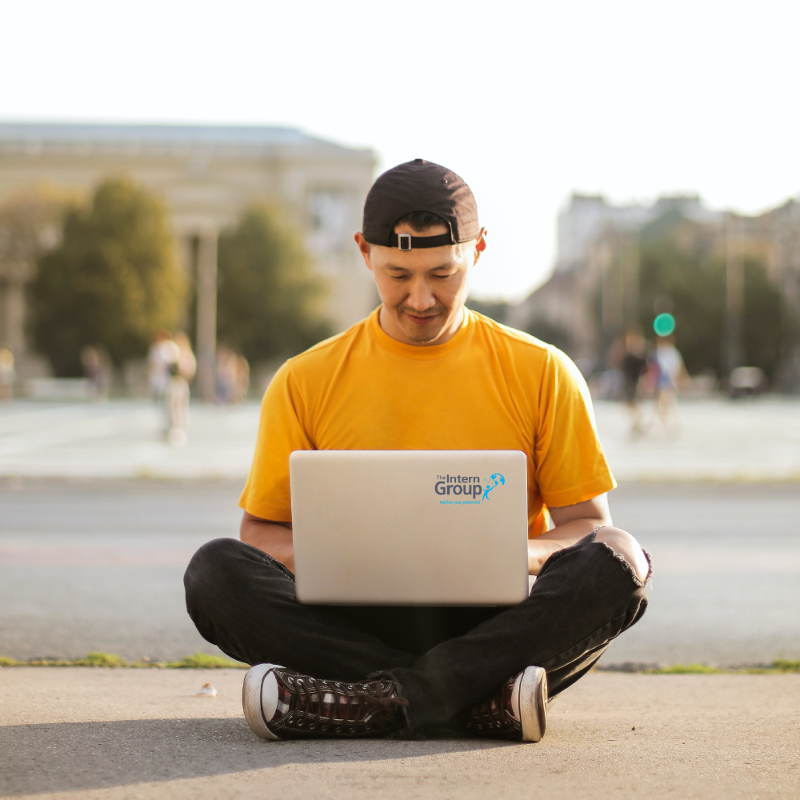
(496, 480)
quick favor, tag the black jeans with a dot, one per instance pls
(443, 658)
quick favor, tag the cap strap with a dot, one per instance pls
(405, 241)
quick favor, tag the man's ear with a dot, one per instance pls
(363, 246)
(480, 244)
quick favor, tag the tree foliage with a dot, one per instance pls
(552, 333)
(112, 281)
(689, 283)
(543, 329)
(761, 320)
(682, 271)
(267, 299)
(494, 309)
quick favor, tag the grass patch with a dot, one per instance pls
(783, 665)
(686, 669)
(780, 666)
(98, 659)
(204, 661)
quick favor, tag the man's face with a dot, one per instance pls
(422, 291)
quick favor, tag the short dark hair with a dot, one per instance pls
(422, 220)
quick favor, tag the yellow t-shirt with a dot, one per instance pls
(488, 388)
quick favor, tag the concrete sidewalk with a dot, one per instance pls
(718, 440)
(99, 734)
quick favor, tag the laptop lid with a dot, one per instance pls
(428, 527)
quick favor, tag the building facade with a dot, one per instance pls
(592, 295)
(206, 176)
(594, 285)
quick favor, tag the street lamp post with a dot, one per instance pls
(734, 294)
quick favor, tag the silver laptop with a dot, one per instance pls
(417, 527)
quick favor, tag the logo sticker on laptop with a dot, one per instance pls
(467, 488)
(496, 480)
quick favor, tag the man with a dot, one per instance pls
(423, 372)
(634, 364)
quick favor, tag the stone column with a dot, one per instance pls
(15, 319)
(207, 313)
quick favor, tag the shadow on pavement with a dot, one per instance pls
(75, 756)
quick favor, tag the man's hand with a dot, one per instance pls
(274, 538)
(572, 523)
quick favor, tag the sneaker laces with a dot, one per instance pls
(364, 703)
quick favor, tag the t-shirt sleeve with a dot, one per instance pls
(568, 457)
(282, 429)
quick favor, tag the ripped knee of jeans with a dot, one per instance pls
(626, 542)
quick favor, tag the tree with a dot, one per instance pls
(761, 320)
(112, 281)
(684, 275)
(267, 299)
(494, 309)
(552, 333)
(683, 272)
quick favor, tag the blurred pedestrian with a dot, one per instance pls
(242, 379)
(610, 383)
(668, 373)
(7, 375)
(158, 362)
(97, 368)
(226, 375)
(634, 365)
(233, 376)
(182, 368)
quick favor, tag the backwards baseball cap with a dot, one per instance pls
(419, 186)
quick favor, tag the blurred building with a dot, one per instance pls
(207, 175)
(592, 295)
(594, 283)
(775, 235)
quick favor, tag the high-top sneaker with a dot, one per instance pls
(517, 710)
(280, 703)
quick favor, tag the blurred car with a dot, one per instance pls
(747, 382)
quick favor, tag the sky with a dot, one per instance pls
(527, 102)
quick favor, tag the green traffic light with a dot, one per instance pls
(664, 324)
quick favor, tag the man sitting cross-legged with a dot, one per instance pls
(423, 372)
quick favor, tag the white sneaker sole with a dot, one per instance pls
(252, 702)
(532, 708)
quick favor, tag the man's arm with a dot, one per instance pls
(572, 523)
(274, 538)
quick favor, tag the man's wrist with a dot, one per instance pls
(539, 550)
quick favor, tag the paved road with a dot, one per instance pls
(80, 734)
(98, 566)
